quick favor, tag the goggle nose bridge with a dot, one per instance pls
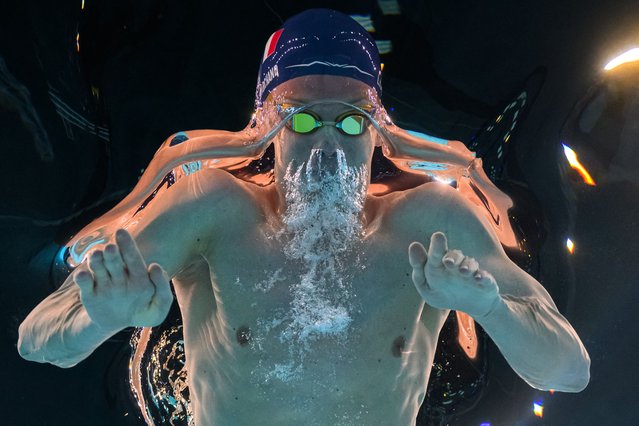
(338, 124)
(293, 118)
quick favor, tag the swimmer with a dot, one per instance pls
(310, 301)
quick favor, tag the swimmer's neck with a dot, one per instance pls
(277, 206)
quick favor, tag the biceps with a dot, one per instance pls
(168, 232)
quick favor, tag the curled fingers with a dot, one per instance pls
(115, 265)
(100, 274)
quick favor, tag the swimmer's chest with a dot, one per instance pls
(256, 283)
(252, 275)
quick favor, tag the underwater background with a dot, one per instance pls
(90, 89)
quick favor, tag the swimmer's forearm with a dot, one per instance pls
(59, 331)
(405, 145)
(220, 143)
(437, 153)
(539, 344)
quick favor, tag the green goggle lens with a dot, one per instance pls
(352, 125)
(303, 122)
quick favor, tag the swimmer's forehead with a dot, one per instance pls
(320, 88)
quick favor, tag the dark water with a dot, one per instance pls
(77, 127)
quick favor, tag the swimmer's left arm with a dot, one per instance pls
(511, 306)
(399, 143)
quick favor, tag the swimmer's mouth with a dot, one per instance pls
(320, 164)
(323, 171)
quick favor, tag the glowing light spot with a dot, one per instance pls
(485, 424)
(552, 391)
(507, 138)
(570, 245)
(443, 180)
(382, 65)
(538, 409)
(629, 56)
(575, 164)
(499, 118)
(77, 42)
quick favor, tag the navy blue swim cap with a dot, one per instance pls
(318, 41)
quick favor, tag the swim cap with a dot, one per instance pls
(318, 41)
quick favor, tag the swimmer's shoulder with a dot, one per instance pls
(437, 206)
(425, 206)
(436, 193)
(224, 199)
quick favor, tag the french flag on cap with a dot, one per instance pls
(271, 44)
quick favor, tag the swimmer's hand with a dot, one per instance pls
(446, 279)
(119, 291)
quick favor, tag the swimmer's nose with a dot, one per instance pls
(325, 160)
(328, 145)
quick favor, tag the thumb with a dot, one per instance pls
(160, 279)
(418, 257)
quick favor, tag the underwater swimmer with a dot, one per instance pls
(300, 303)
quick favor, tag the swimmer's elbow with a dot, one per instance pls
(25, 347)
(580, 386)
(573, 386)
(64, 364)
(571, 383)
(27, 352)
(579, 377)
(39, 357)
(581, 381)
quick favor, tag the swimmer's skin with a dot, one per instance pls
(211, 231)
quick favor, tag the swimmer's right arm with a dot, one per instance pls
(113, 290)
(219, 143)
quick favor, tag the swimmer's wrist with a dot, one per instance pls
(72, 344)
(95, 328)
(493, 311)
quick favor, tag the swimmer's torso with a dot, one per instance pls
(249, 360)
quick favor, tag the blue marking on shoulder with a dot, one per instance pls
(78, 252)
(179, 138)
(192, 167)
(428, 137)
(427, 165)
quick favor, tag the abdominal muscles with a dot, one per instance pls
(272, 367)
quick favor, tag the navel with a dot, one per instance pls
(398, 346)
(243, 335)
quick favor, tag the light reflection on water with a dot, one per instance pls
(160, 389)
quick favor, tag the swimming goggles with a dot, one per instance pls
(304, 121)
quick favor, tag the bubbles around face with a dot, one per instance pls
(324, 200)
(322, 234)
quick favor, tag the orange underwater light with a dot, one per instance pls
(575, 164)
